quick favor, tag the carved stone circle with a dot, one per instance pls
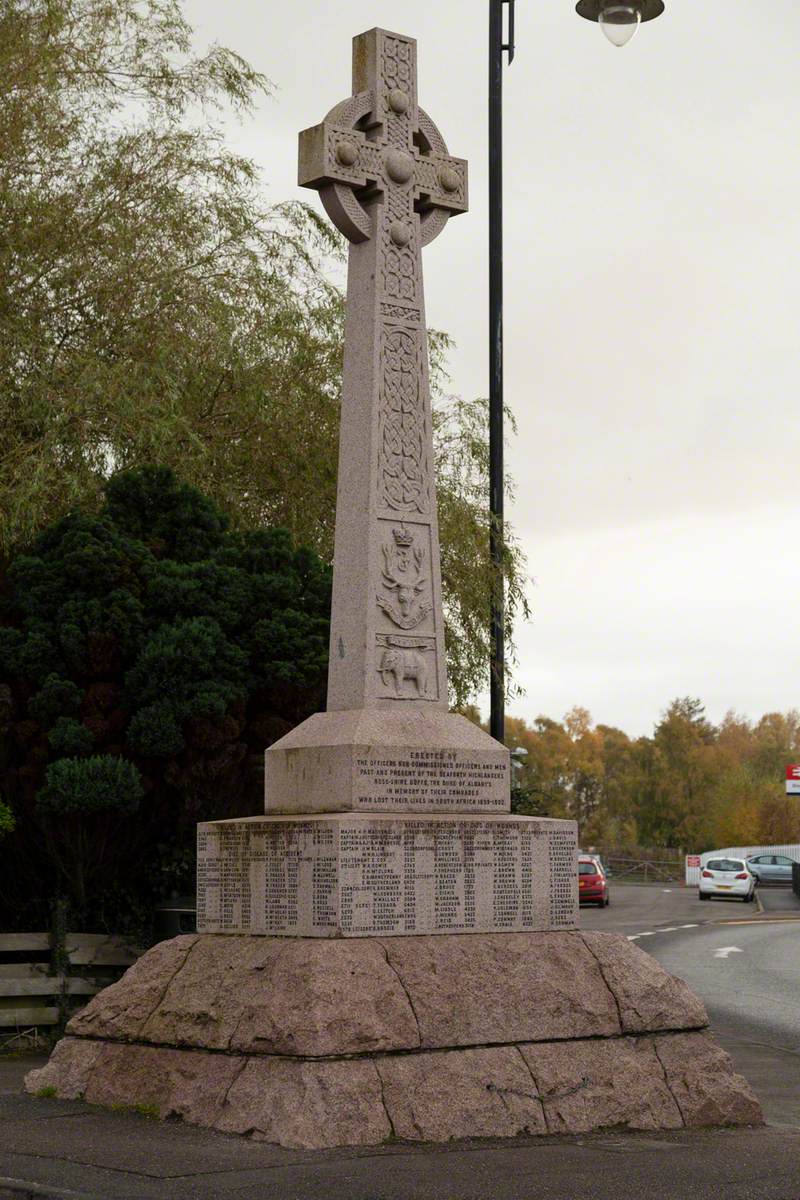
(399, 166)
(398, 101)
(347, 153)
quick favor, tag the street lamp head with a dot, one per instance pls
(619, 19)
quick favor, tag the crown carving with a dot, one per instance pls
(403, 537)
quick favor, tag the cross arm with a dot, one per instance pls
(330, 154)
(441, 182)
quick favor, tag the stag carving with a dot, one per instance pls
(404, 575)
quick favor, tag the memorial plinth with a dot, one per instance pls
(327, 1019)
(404, 759)
(355, 875)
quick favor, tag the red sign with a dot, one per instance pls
(693, 860)
(793, 779)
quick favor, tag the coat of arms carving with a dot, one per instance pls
(405, 577)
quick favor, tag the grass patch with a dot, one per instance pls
(151, 1111)
(147, 1110)
(47, 1093)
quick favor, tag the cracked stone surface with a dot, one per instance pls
(601, 1084)
(67, 1070)
(178, 1083)
(427, 1095)
(509, 987)
(259, 995)
(307, 1105)
(649, 999)
(435, 1096)
(121, 1010)
(295, 1041)
(273, 996)
(702, 1079)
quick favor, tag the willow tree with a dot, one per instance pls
(153, 309)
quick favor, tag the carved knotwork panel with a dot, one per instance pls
(404, 467)
(397, 74)
(401, 269)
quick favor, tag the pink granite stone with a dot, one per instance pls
(67, 1070)
(646, 1082)
(599, 1084)
(649, 998)
(307, 1105)
(121, 1010)
(436, 1096)
(203, 1002)
(337, 997)
(510, 987)
(702, 1080)
(191, 1084)
(277, 996)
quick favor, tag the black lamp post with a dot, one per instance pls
(619, 20)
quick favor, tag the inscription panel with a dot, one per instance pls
(430, 779)
(369, 877)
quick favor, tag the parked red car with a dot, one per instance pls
(592, 883)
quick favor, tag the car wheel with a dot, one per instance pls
(608, 901)
(703, 895)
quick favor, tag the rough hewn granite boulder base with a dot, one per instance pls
(317, 1043)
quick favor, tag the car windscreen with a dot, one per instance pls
(587, 868)
(725, 864)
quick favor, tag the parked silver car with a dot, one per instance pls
(770, 868)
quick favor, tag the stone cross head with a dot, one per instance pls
(381, 141)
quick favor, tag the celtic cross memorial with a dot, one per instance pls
(387, 813)
(389, 185)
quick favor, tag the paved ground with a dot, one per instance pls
(67, 1151)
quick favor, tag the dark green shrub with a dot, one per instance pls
(172, 650)
(90, 785)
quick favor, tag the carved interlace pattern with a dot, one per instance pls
(427, 178)
(411, 315)
(403, 467)
(400, 267)
(397, 73)
(369, 162)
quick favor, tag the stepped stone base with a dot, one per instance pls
(313, 1044)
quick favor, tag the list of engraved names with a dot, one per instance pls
(351, 878)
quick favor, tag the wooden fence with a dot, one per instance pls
(40, 987)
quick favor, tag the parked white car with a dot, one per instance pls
(727, 877)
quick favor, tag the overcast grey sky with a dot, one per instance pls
(652, 301)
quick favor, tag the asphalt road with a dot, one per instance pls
(743, 960)
(66, 1150)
